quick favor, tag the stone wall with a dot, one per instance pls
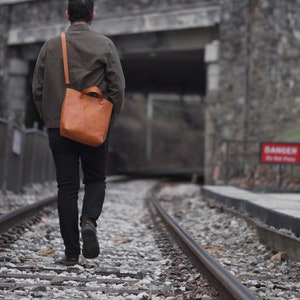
(37, 12)
(259, 92)
(260, 68)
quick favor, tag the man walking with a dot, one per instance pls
(93, 61)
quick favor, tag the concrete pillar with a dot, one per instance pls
(17, 95)
(211, 57)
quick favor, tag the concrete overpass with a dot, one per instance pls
(161, 47)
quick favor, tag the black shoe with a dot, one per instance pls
(68, 261)
(90, 248)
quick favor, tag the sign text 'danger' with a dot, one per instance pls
(280, 153)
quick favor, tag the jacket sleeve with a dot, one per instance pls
(38, 81)
(115, 80)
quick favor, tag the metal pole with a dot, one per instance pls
(33, 154)
(44, 163)
(227, 162)
(279, 176)
(149, 128)
(247, 74)
(22, 156)
(6, 157)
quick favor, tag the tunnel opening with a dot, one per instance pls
(161, 129)
(180, 72)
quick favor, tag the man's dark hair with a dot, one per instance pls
(80, 10)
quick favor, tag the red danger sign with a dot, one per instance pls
(280, 153)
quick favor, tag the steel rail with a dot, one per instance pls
(15, 217)
(229, 287)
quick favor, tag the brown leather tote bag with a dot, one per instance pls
(84, 118)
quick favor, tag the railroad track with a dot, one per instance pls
(13, 223)
(138, 260)
(228, 286)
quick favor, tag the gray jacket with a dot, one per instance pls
(93, 60)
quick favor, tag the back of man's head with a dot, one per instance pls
(81, 10)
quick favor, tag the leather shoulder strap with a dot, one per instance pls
(65, 58)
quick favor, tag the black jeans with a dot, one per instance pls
(67, 155)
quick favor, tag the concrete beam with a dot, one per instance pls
(178, 40)
(28, 35)
(161, 21)
(3, 2)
